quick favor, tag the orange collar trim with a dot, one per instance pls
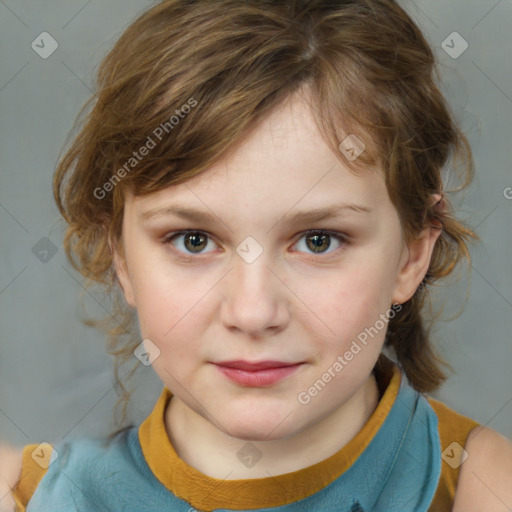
(207, 493)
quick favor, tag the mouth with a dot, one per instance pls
(257, 374)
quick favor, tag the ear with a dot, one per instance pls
(415, 261)
(121, 270)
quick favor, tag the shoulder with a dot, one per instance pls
(10, 471)
(485, 481)
(48, 469)
(10, 464)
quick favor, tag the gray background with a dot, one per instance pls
(55, 376)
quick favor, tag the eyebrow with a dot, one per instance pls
(300, 217)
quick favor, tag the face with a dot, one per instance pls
(250, 282)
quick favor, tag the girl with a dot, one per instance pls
(264, 182)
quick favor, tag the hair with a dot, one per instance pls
(189, 80)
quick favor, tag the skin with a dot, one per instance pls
(290, 304)
(10, 469)
(485, 478)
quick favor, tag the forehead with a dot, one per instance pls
(283, 164)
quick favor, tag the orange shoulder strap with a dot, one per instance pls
(31, 475)
(453, 432)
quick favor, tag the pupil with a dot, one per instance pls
(195, 240)
(319, 241)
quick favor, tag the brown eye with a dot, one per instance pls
(195, 242)
(318, 242)
(189, 242)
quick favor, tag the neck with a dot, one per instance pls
(209, 450)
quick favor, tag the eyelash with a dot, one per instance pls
(342, 238)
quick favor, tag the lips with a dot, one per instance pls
(255, 366)
(257, 374)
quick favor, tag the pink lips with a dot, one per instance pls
(262, 373)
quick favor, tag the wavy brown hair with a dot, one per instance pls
(369, 71)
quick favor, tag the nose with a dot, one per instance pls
(255, 300)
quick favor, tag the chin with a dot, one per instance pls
(261, 427)
(253, 433)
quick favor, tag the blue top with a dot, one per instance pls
(397, 472)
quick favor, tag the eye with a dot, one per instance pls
(195, 242)
(189, 242)
(320, 241)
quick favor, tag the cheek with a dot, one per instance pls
(170, 318)
(162, 298)
(353, 303)
(173, 308)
